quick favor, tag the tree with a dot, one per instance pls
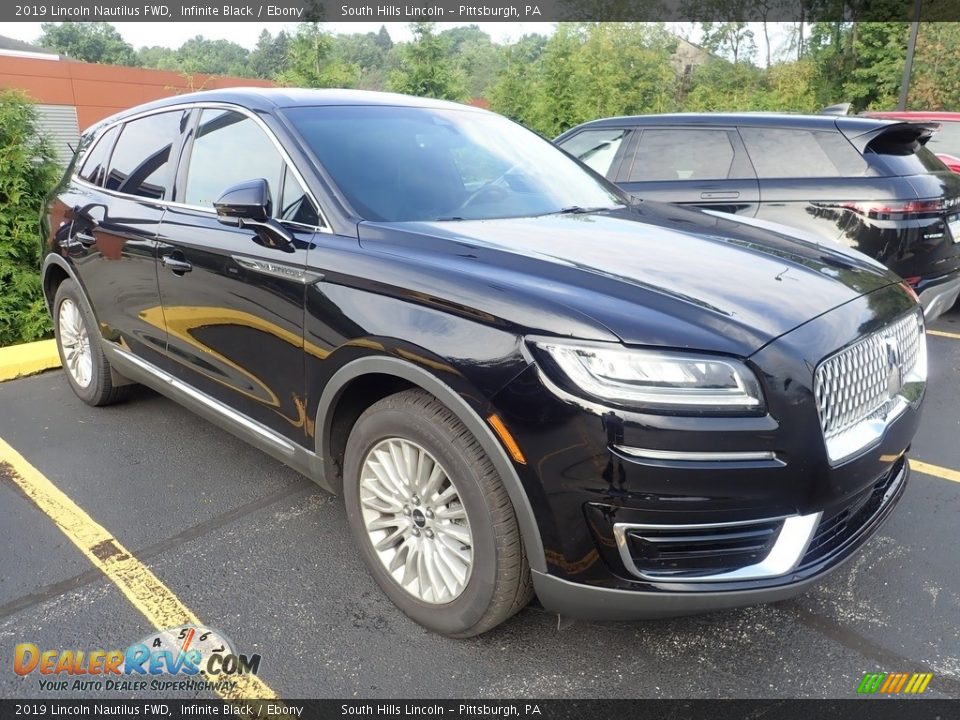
(160, 58)
(371, 58)
(426, 68)
(512, 92)
(215, 57)
(269, 58)
(95, 42)
(733, 40)
(28, 170)
(311, 62)
(555, 100)
(383, 39)
(477, 58)
(936, 83)
(858, 62)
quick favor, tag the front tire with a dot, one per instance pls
(433, 521)
(78, 342)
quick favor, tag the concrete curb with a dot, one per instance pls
(28, 359)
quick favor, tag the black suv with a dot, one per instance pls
(518, 380)
(866, 183)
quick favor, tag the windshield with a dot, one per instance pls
(414, 164)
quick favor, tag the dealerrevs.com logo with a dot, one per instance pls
(198, 658)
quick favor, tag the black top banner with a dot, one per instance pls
(483, 10)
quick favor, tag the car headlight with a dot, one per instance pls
(658, 381)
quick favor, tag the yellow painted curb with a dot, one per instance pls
(27, 359)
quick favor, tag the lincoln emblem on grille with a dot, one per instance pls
(894, 367)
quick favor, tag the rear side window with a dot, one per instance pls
(787, 153)
(595, 148)
(904, 159)
(143, 159)
(95, 164)
(229, 149)
(682, 155)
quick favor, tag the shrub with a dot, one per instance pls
(28, 170)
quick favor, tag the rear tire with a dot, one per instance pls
(433, 521)
(78, 342)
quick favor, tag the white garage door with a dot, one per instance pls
(59, 123)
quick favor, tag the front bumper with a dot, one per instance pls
(586, 602)
(603, 483)
(937, 295)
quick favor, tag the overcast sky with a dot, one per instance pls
(174, 34)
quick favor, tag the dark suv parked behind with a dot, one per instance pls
(866, 183)
(517, 380)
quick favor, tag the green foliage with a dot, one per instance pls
(95, 42)
(269, 57)
(512, 92)
(311, 62)
(28, 169)
(480, 61)
(936, 80)
(426, 68)
(584, 71)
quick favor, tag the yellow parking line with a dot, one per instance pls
(935, 470)
(142, 588)
(942, 333)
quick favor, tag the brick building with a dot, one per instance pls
(72, 95)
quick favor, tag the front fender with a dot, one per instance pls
(465, 411)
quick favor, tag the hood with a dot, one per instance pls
(652, 274)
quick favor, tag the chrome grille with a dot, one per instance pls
(854, 385)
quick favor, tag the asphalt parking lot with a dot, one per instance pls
(260, 553)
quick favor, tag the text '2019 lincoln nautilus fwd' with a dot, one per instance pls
(519, 380)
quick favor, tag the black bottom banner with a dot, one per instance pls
(853, 709)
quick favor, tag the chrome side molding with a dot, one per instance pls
(681, 455)
(220, 408)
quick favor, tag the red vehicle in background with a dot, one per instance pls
(945, 143)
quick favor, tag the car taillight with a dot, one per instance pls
(911, 209)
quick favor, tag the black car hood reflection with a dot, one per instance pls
(626, 267)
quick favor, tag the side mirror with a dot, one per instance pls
(249, 200)
(248, 205)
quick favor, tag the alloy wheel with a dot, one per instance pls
(415, 521)
(75, 343)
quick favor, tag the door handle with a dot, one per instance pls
(85, 239)
(719, 195)
(177, 266)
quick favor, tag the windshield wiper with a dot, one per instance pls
(577, 210)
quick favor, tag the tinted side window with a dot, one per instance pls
(786, 153)
(595, 148)
(95, 165)
(682, 155)
(229, 149)
(905, 159)
(143, 160)
(295, 205)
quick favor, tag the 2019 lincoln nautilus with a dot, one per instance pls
(519, 379)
